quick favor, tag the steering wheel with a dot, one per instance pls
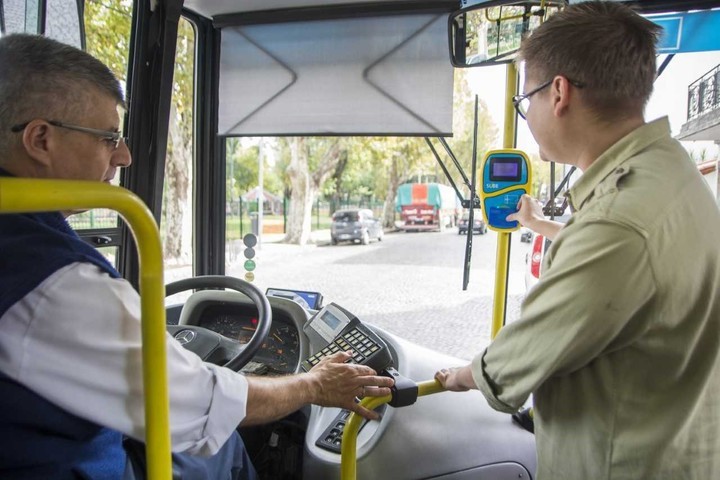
(211, 346)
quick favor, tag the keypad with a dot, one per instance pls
(363, 348)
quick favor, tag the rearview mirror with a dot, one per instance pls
(487, 35)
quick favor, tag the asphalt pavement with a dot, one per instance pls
(409, 284)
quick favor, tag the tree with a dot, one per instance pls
(402, 157)
(107, 30)
(242, 167)
(311, 161)
(178, 162)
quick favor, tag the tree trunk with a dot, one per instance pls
(176, 185)
(388, 214)
(301, 198)
(337, 180)
(305, 185)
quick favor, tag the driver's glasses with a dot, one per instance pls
(113, 139)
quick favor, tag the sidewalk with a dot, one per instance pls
(317, 237)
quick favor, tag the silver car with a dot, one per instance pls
(355, 225)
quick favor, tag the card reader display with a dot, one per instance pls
(506, 176)
(334, 329)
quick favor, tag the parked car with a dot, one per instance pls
(525, 235)
(478, 222)
(355, 225)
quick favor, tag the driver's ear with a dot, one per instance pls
(40, 141)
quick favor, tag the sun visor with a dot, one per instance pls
(360, 76)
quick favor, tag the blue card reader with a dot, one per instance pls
(506, 176)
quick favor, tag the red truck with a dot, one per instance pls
(426, 206)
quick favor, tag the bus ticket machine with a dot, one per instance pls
(506, 176)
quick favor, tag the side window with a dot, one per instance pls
(107, 37)
(61, 19)
(177, 212)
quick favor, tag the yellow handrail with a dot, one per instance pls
(348, 447)
(24, 195)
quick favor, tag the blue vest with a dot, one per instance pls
(38, 439)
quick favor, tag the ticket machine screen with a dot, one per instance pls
(505, 169)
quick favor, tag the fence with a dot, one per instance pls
(703, 94)
(239, 216)
(98, 218)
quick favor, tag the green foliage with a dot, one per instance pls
(107, 30)
(242, 165)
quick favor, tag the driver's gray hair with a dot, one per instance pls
(43, 78)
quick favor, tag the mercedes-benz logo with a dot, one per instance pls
(185, 336)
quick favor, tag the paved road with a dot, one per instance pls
(409, 284)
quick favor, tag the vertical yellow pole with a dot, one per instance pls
(502, 258)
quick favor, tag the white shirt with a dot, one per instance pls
(75, 340)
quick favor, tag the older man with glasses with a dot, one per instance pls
(619, 342)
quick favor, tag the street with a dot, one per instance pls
(409, 284)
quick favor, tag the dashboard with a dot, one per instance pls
(279, 354)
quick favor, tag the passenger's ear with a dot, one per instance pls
(560, 91)
(39, 140)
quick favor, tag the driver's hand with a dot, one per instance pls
(337, 384)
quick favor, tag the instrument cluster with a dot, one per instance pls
(279, 354)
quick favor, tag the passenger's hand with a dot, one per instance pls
(529, 212)
(337, 384)
(457, 379)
